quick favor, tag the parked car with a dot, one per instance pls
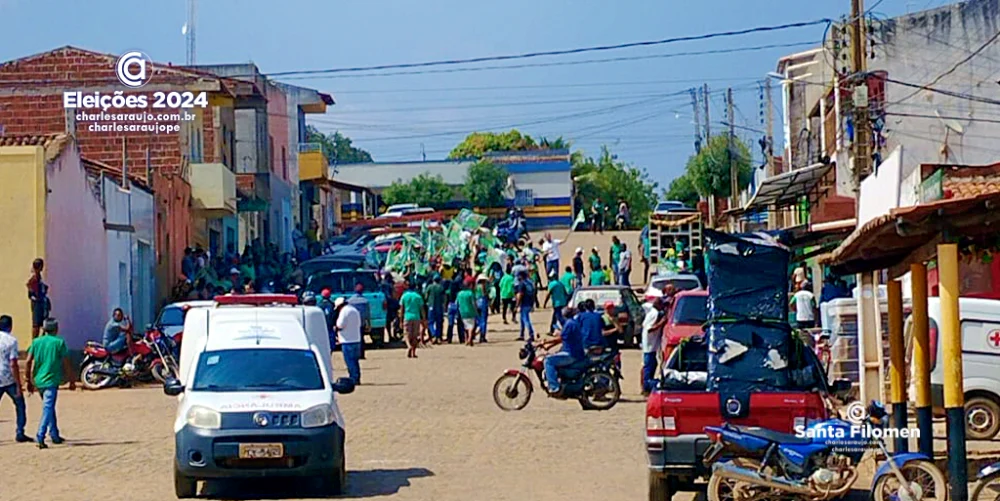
(680, 408)
(170, 321)
(627, 306)
(668, 206)
(341, 284)
(398, 209)
(980, 326)
(680, 281)
(687, 314)
(332, 262)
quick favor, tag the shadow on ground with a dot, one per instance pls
(360, 484)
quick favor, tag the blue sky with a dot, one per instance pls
(627, 105)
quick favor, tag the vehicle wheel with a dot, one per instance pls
(601, 391)
(720, 489)
(184, 487)
(91, 379)
(162, 371)
(925, 480)
(982, 418)
(987, 489)
(661, 488)
(512, 392)
(334, 484)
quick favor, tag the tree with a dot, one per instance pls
(682, 190)
(709, 170)
(485, 184)
(337, 147)
(610, 180)
(425, 190)
(478, 144)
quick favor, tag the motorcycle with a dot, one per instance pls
(512, 229)
(591, 381)
(152, 356)
(818, 463)
(987, 484)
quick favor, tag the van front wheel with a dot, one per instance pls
(184, 487)
(333, 485)
(982, 418)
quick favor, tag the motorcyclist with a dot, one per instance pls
(571, 339)
(117, 328)
(592, 327)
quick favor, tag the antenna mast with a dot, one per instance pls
(192, 15)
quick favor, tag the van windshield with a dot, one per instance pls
(257, 370)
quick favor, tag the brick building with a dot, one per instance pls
(189, 167)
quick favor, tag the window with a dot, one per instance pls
(171, 317)
(524, 198)
(284, 163)
(691, 310)
(257, 370)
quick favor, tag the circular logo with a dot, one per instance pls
(134, 69)
(857, 413)
(262, 419)
(733, 406)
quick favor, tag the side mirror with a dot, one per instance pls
(172, 387)
(841, 388)
(343, 386)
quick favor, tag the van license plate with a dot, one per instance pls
(262, 451)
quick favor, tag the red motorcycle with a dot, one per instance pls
(146, 358)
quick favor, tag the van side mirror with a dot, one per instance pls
(173, 387)
(841, 388)
(343, 386)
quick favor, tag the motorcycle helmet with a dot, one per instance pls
(309, 299)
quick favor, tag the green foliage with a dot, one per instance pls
(611, 180)
(682, 190)
(709, 170)
(485, 184)
(478, 144)
(425, 190)
(554, 144)
(337, 147)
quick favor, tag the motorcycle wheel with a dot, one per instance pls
(512, 392)
(925, 480)
(601, 391)
(987, 489)
(93, 380)
(161, 371)
(720, 489)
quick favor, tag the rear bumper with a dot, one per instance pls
(678, 456)
(204, 454)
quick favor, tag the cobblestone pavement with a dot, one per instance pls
(424, 429)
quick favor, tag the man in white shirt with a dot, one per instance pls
(625, 266)
(349, 337)
(652, 332)
(804, 303)
(550, 248)
(10, 375)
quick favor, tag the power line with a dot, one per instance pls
(927, 87)
(549, 86)
(954, 67)
(967, 119)
(550, 64)
(579, 50)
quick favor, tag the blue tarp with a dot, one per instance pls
(747, 276)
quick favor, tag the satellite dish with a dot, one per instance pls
(951, 124)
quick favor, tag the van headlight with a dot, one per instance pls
(203, 417)
(320, 415)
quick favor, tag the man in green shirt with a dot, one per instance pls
(507, 294)
(616, 253)
(598, 277)
(467, 310)
(48, 364)
(595, 260)
(560, 298)
(435, 308)
(412, 304)
(567, 280)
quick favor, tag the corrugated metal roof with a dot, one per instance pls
(381, 175)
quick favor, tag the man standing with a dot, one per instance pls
(804, 303)
(507, 295)
(560, 299)
(360, 303)
(467, 311)
(652, 331)
(595, 260)
(483, 305)
(435, 308)
(48, 365)
(412, 305)
(597, 216)
(525, 292)
(625, 266)
(616, 253)
(550, 248)
(578, 266)
(10, 375)
(454, 319)
(572, 350)
(349, 336)
(38, 293)
(567, 280)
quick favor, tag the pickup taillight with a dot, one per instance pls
(661, 424)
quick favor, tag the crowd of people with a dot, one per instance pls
(260, 268)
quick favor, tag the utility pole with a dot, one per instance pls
(734, 182)
(189, 30)
(697, 121)
(862, 126)
(708, 119)
(769, 151)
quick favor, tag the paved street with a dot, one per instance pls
(424, 429)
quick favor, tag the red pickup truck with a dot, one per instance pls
(678, 411)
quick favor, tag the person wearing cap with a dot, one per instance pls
(560, 299)
(578, 266)
(325, 303)
(234, 281)
(412, 304)
(48, 367)
(348, 328)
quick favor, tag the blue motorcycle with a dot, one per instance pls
(819, 462)
(987, 484)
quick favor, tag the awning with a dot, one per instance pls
(787, 188)
(910, 234)
(820, 233)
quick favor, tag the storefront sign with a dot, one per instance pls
(930, 188)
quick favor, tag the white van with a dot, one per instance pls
(980, 326)
(256, 395)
